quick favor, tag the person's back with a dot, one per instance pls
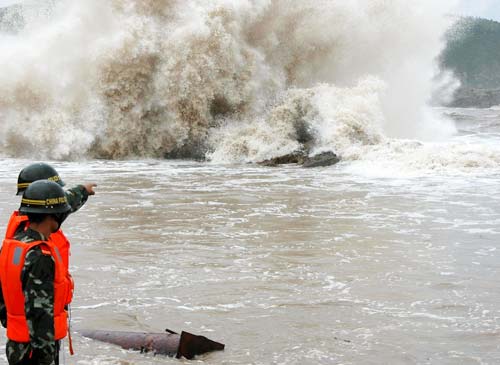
(32, 276)
(38, 265)
(76, 198)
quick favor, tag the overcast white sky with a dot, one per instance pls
(483, 8)
(489, 9)
(7, 2)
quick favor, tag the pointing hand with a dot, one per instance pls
(90, 188)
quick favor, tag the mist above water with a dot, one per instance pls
(229, 81)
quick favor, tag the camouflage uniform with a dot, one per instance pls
(77, 197)
(38, 287)
(37, 279)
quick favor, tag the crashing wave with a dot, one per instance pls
(223, 80)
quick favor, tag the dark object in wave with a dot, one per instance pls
(321, 160)
(301, 158)
(171, 343)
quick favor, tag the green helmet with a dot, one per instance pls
(44, 197)
(34, 172)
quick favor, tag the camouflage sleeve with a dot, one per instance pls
(3, 310)
(77, 197)
(38, 289)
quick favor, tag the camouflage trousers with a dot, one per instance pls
(19, 353)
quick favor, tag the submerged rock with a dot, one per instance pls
(321, 160)
(301, 158)
(294, 157)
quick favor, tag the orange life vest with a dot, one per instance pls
(12, 259)
(58, 238)
(14, 222)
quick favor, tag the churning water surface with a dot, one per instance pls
(390, 257)
(288, 265)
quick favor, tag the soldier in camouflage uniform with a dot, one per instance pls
(37, 277)
(76, 198)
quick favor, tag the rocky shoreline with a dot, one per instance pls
(475, 98)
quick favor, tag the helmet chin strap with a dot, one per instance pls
(60, 218)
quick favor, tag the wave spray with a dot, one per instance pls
(231, 81)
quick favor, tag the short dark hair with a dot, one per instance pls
(36, 217)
